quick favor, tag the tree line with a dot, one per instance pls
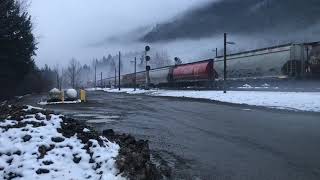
(76, 75)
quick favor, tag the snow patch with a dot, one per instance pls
(297, 101)
(60, 102)
(86, 130)
(19, 149)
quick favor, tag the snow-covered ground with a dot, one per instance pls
(32, 148)
(64, 102)
(299, 101)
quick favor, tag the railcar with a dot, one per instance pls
(315, 60)
(197, 73)
(285, 61)
(160, 76)
(141, 78)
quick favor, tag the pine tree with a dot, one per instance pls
(17, 46)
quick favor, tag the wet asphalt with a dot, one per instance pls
(206, 140)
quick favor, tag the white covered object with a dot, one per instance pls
(71, 94)
(54, 94)
(54, 91)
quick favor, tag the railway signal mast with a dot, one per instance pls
(147, 49)
(216, 50)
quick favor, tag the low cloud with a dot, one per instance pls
(67, 28)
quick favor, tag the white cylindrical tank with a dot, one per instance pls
(71, 94)
(54, 94)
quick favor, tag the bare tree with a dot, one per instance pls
(73, 72)
(160, 59)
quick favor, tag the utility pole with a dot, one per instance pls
(58, 83)
(216, 52)
(119, 70)
(101, 80)
(135, 73)
(225, 64)
(95, 74)
(147, 48)
(115, 77)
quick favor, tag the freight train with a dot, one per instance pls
(278, 62)
(198, 73)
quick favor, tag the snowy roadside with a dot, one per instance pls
(297, 101)
(37, 144)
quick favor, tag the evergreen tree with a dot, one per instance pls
(17, 46)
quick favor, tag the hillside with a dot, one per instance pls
(265, 17)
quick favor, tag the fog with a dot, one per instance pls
(88, 29)
(91, 29)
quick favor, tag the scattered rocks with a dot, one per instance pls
(133, 161)
(26, 138)
(11, 175)
(134, 157)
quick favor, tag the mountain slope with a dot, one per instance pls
(240, 17)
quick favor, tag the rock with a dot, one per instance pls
(57, 139)
(9, 161)
(44, 149)
(17, 153)
(42, 171)
(76, 159)
(91, 161)
(38, 117)
(108, 133)
(26, 138)
(47, 163)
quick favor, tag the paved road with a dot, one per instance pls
(204, 140)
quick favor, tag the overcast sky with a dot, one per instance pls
(65, 28)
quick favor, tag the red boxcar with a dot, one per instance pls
(198, 71)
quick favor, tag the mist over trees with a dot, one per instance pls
(274, 19)
(76, 75)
